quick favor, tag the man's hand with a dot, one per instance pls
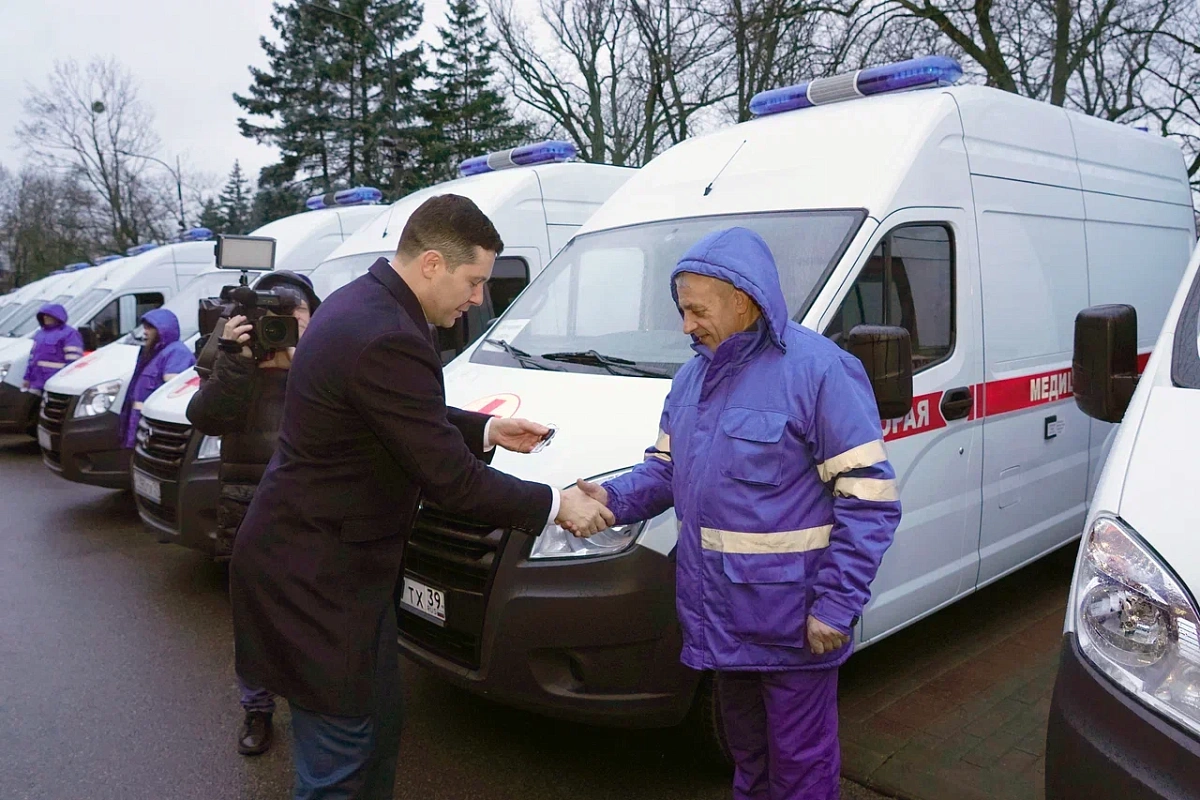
(238, 330)
(593, 490)
(823, 639)
(583, 515)
(517, 435)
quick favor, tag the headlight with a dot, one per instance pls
(98, 399)
(554, 542)
(4, 368)
(210, 447)
(1137, 623)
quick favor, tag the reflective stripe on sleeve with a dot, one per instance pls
(72, 349)
(52, 364)
(169, 376)
(137, 406)
(865, 455)
(875, 489)
(782, 542)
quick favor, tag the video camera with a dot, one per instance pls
(270, 313)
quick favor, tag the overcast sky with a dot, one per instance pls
(189, 57)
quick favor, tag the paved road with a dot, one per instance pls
(116, 681)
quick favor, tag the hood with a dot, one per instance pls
(741, 257)
(54, 311)
(169, 402)
(165, 322)
(116, 361)
(285, 277)
(1160, 482)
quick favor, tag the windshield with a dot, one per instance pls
(85, 302)
(336, 273)
(11, 311)
(26, 322)
(186, 305)
(610, 292)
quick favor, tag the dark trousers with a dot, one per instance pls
(782, 730)
(353, 758)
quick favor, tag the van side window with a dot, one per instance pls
(147, 301)
(107, 323)
(509, 277)
(908, 281)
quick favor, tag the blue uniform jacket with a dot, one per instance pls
(168, 358)
(770, 451)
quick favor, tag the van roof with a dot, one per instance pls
(490, 191)
(860, 153)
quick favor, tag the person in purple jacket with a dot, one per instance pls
(55, 345)
(162, 357)
(770, 452)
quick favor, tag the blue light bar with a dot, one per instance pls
(319, 201)
(523, 156)
(108, 258)
(137, 250)
(912, 74)
(195, 235)
(358, 196)
(78, 265)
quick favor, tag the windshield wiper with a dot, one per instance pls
(521, 357)
(590, 358)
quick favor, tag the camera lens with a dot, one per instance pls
(274, 330)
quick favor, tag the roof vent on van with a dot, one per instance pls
(194, 235)
(913, 74)
(527, 154)
(108, 258)
(137, 250)
(358, 196)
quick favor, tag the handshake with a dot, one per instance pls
(583, 509)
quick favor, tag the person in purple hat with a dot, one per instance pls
(55, 345)
(162, 357)
(771, 454)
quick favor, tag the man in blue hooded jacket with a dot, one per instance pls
(162, 357)
(55, 345)
(770, 451)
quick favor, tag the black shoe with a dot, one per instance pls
(256, 733)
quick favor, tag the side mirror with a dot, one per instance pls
(1104, 370)
(89, 338)
(886, 352)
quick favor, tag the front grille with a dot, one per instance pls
(160, 448)
(459, 557)
(163, 514)
(54, 411)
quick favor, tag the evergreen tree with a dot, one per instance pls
(339, 83)
(211, 217)
(235, 202)
(276, 198)
(465, 116)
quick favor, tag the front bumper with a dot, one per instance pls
(18, 409)
(594, 641)
(1104, 744)
(186, 512)
(88, 449)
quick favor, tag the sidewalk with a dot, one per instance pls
(955, 707)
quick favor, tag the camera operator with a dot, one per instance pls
(241, 400)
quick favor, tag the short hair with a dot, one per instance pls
(452, 225)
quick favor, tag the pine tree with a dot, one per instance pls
(464, 114)
(211, 217)
(338, 85)
(234, 202)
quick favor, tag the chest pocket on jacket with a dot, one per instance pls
(753, 450)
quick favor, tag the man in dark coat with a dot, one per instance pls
(366, 436)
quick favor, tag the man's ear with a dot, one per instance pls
(430, 261)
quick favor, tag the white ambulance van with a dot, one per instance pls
(536, 201)
(78, 426)
(69, 287)
(973, 223)
(1125, 716)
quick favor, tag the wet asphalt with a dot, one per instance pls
(116, 681)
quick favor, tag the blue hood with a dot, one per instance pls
(53, 310)
(741, 257)
(165, 322)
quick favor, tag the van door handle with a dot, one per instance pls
(957, 403)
